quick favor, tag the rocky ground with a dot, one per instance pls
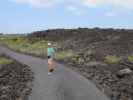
(91, 47)
(15, 81)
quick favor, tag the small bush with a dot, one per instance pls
(14, 39)
(76, 58)
(64, 55)
(112, 59)
(5, 61)
(130, 58)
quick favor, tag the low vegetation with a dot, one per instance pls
(64, 55)
(112, 59)
(5, 61)
(130, 58)
(24, 45)
(38, 48)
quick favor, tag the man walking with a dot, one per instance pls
(50, 54)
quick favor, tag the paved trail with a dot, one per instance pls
(64, 84)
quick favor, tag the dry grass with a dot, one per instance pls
(112, 59)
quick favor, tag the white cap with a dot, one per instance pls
(49, 44)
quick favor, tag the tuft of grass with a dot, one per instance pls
(76, 58)
(130, 58)
(5, 61)
(112, 59)
(64, 55)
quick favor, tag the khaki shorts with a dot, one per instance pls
(50, 61)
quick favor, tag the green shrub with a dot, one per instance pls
(64, 55)
(14, 39)
(112, 59)
(76, 58)
(5, 61)
(130, 58)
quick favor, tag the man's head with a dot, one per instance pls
(49, 44)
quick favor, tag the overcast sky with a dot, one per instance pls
(32, 15)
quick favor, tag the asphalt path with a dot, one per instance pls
(63, 84)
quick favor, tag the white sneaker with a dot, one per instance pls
(49, 73)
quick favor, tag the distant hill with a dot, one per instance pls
(1, 33)
(13, 35)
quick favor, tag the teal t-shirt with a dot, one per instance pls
(50, 51)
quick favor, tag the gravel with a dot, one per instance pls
(15, 81)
